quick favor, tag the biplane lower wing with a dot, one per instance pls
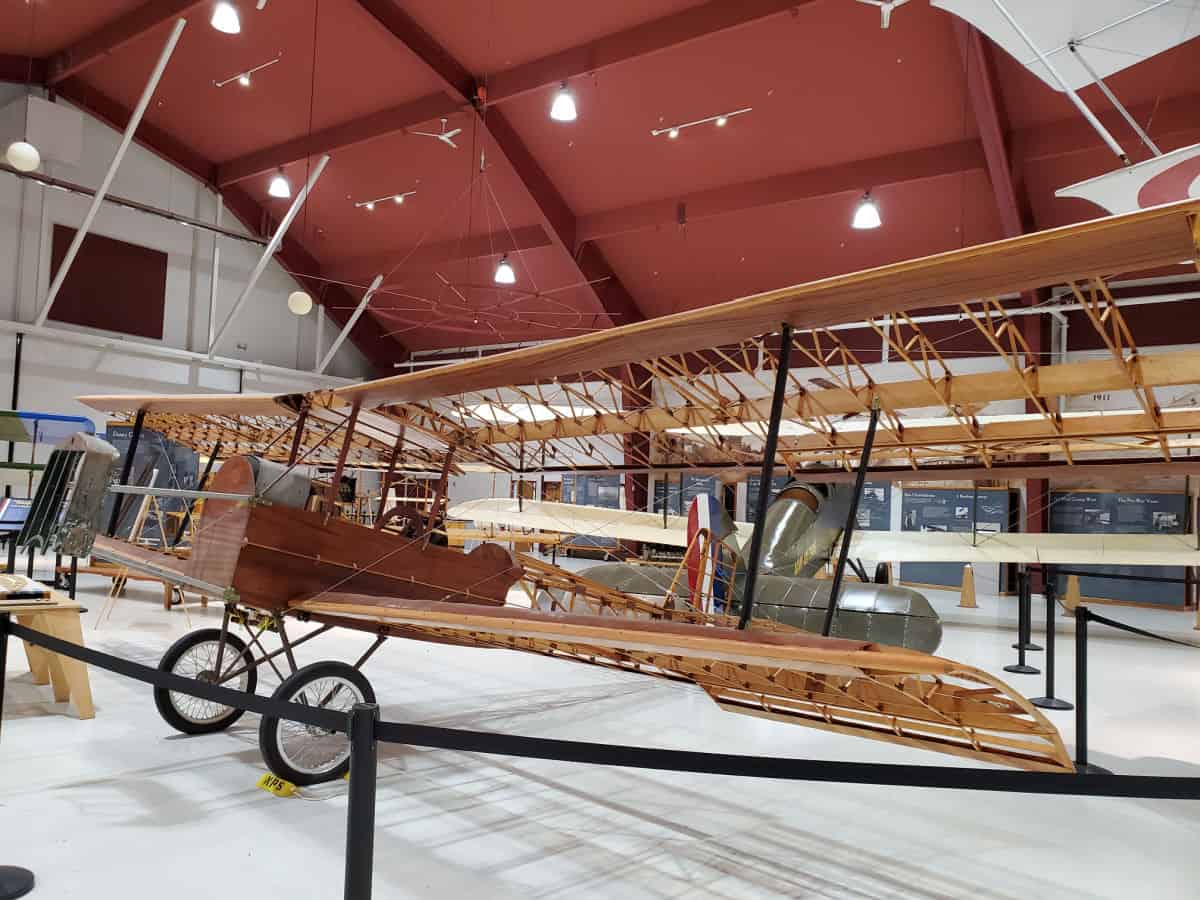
(849, 687)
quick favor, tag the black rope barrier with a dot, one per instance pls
(1133, 629)
(790, 769)
(264, 706)
(364, 729)
(1155, 787)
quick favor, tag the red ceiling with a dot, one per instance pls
(828, 89)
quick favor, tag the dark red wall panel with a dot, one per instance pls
(112, 285)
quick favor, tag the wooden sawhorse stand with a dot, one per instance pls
(68, 677)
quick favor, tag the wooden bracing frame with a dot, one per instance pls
(709, 408)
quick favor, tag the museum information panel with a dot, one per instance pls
(1106, 512)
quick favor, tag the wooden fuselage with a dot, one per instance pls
(273, 555)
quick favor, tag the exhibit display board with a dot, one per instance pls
(983, 510)
(592, 490)
(874, 509)
(680, 491)
(178, 468)
(1108, 512)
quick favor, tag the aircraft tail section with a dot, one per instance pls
(710, 556)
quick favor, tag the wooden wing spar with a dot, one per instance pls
(692, 390)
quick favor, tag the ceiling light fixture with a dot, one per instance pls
(721, 120)
(563, 107)
(23, 156)
(243, 78)
(504, 272)
(395, 198)
(866, 216)
(225, 18)
(280, 187)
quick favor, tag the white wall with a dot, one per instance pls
(269, 333)
(57, 369)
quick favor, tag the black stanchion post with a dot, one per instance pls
(1025, 612)
(1021, 667)
(4, 619)
(360, 814)
(12, 553)
(14, 881)
(1049, 701)
(1082, 766)
(74, 574)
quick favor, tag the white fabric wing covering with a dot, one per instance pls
(1057, 549)
(566, 518)
(1111, 34)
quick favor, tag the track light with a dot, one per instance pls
(563, 107)
(225, 18)
(504, 272)
(866, 216)
(720, 120)
(280, 187)
(397, 198)
(243, 78)
(23, 156)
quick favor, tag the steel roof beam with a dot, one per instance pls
(895, 168)
(114, 35)
(428, 256)
(634, 43)
(611, 297)
(393, 120)
(19, 69)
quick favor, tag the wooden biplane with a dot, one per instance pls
(691, 390)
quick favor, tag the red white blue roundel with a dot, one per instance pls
(709, 562)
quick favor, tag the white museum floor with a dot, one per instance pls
(123, 807)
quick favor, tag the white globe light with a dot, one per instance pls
(23, 156)
(299, 303)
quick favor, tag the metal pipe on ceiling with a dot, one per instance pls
(354, 317)
(187, 221)
(272, 246)
(126, 139)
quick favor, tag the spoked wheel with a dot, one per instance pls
(195, 656)
(301, 753)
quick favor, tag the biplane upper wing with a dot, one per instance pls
(693, 389)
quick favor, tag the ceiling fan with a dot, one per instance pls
(885, 9)
(446, 137)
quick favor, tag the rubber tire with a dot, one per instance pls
(269, 725)
(162, 698)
